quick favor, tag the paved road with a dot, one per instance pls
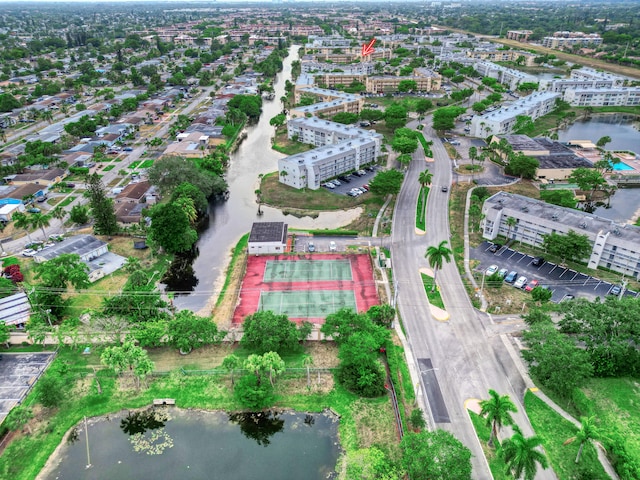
(459, 359)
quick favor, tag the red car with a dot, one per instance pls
(531, 285)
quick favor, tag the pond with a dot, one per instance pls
(169, 443)
(622, 128)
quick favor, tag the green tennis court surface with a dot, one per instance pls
(307, 270)
(309, 304)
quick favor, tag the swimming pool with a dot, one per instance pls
(620, 166)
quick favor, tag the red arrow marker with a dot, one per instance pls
(367, 48)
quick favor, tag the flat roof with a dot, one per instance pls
(79, 244)
(268, 232)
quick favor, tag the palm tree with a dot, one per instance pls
(24, 222)
(497, 412)
(307, 361)
(40, 221)
(424, 179)
(522, 455)
(47, 115)
(258, 193)
(511, 222)
(436, 256)
(587, 433)
(473, 154)
(59, 213)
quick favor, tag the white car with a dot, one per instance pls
(336, 182)
(332, 246)
(520, 282)
(28, 252)
(491, 270)
(330, 185)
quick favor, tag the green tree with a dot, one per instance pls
(51, 391)
(522, 166)
(307, 361)
(127, 358)
(416, 419)
(345, 118)
(22, 221)
(497, 412)
(587, 434)
(404, 145)
(424, 179)
(386, 182)
(278, 120)
(231, 363)
(264, 331)
(422, 106)
(436, 256)
(370, 464)
(5, 334)
(150, 334)
(522, 455)
(79, 214)
(444, 118)
(382, 314)
(170, 228)
(40, 221)
(170, 171)
(602, 141)
(555, 360)
(560, 197)
(510, 222)
(187, 331)
(8, 102)
(102, 209)
(541, 295)
(571, 246)
(59, 213)
(407, 86)
(589, 181)
(435, 455)
(395, 116)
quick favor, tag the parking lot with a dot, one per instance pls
(563, 282)
(354, 181)
(18, 372)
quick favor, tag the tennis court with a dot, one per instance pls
(305, 287)
(307, 270)
(307, 304)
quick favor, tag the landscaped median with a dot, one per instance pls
(421, 211)
(436, 305)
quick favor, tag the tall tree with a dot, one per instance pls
(436, 256)
(424, 179)
(102, 209)
(497, 412)
(187, 331)
(128, 358)
(264, 331)
(59, 213)
(40, 221)
(231, 363)
(22, 221)
(511, 222)
(522, 455)
(170, 228)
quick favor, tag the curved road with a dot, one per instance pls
(458, 359)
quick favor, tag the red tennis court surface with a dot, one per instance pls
(362, 284)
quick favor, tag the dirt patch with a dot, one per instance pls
(318, 383)
(223, 311)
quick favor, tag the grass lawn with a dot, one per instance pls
(433, 295)
(614, 402)
(92, 297)
(108, 168)
(146, 163)
(67, 201)
(135, 164)
(554, 430)
(283, 145)
(420, 208)
(54, 201)
(496, 464)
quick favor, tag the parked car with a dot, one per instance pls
(329, 185)
(445, 188)
(28, 253)
(537, 261)
(531, 285)
(127, 149)
(71, 185)
(332, 246)
(344, 179)
(311, 247)
(41, 199)
(513, 275)
(520, 282)
(336, 182)
(362, 172)
(33, 210)
(615, 290)
(491, 270)
(502, 272)
(494, 247)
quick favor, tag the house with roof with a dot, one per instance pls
(92, 251)
(10, 194)
(268, 237)
(46, 177)
(15, 309)
(189, 145)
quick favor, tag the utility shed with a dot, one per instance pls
(87, 246)
(268, 237)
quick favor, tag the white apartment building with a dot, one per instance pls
(502, 121)
(614, 246)
(600, 97)
(330, 101)
(583, 78)
(341, 149)
(509, 77)
(569, 39)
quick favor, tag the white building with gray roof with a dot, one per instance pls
(615, 246)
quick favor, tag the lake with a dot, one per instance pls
(621, 127)
(170, 443)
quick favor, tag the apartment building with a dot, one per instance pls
(426, 81)
(341, 149)
(495, 55)
(509, 77)
(599, 97)
(519, 35)
(504, 119)
(569, 39)
(614, 246)
(330, 102)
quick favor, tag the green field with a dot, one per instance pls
(67, 201)
(307, 270)
(307, 303)
(108, 167)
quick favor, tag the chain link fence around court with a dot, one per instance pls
(307, 270)
(306, 303)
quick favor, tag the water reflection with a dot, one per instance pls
(140, 422)
(146, 431)
(180, 276)
(258, 426)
